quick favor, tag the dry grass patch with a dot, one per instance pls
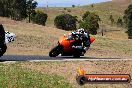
(68, 70)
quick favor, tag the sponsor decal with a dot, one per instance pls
(83, 78)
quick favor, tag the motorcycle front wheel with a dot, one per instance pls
(3, 49)
(55, 51)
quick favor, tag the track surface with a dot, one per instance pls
(47, 58)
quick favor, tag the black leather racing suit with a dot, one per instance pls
(2, 34)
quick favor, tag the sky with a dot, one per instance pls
(66, 3)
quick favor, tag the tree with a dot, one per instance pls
(4, 8)
(92, 5)
(40, 18)
(19, 10)
(90, 22)
(16, 9)
(65, 22)
(31, 5)
(65, 8)
(112, 19)
(73, 6)
(119, 22)
(128, 20)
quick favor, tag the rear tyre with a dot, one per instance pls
(54, 52)
(3, 49)
(76, 53)
(76, 56)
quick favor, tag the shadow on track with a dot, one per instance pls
(47, 58)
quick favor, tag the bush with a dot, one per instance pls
(73, 6)
(119, 22)
(65, 22)
(65, 8)
(68, 10)
(111, 19)
(39, 18)
(90, 22)
(128, 20)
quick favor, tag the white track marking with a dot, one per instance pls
(82, 60)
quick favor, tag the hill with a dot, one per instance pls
(104, 10)
(33, 39)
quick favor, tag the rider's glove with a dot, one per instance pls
(86, 48)
(73, 46)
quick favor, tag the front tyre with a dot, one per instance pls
(54, 52)
(3, 49)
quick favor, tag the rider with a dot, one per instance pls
(82, 40)
(84, 36)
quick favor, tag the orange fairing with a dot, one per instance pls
(63, 41)
(81, 71)
(66, 43)
(92, 39)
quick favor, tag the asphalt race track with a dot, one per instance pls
(47, 58)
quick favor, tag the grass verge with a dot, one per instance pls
(13, 76)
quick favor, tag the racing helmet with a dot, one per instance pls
(75, 35)
(81, 31)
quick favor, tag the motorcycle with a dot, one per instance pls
(9, 37)
(64, 47)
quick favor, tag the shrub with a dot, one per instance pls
(119, 22)
(39, 18)
(65, 22)
(68, 10)
(90, 22)
(111, 19)
(73, 6)
(128, 20)
(65, 8)
(92, 5)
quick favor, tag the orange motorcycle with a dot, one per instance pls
(64, 47)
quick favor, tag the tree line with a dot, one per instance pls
(15, 9)
(21, 9)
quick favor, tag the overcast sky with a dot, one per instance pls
(66, 3)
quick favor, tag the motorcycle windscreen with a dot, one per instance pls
(65, 43)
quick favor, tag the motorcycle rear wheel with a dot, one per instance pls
(76, 56)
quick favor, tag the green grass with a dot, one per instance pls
(14, 76)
